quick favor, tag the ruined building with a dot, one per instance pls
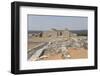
(54, 33)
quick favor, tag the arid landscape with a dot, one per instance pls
(52, 37)
(57, 44)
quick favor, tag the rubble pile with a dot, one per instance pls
(61, 47)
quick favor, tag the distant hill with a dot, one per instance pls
(80, 32)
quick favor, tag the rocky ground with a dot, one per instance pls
(73, 48)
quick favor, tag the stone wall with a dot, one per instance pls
(57, 33)
(49, 34)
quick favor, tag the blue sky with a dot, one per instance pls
(46, 22)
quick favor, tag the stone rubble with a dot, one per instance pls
(62, 46)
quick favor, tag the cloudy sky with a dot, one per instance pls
(46, 22)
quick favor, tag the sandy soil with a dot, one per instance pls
(78, 53)
(32, 45)
(53, 57)
(75, 53)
